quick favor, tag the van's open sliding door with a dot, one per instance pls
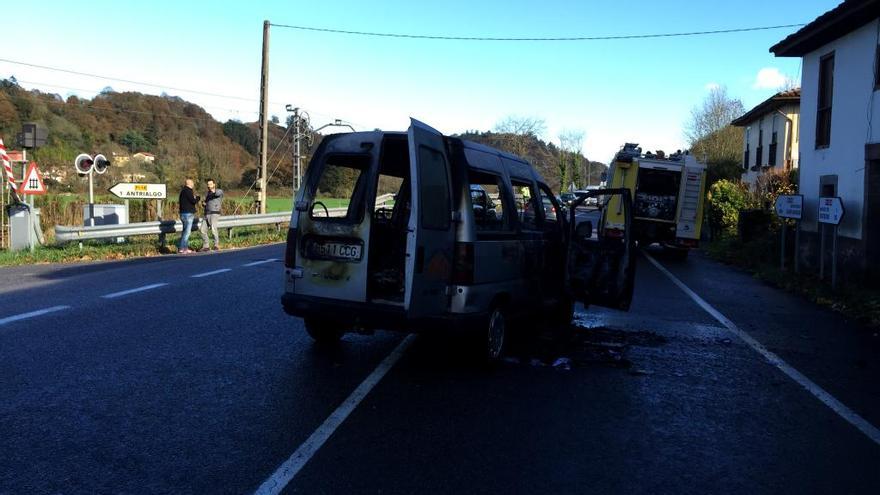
(600, 268)
(431, 233)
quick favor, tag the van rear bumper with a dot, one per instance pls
(376, 316)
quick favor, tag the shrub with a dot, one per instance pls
(772, 184)
(725, 200)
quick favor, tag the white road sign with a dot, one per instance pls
(790, 206)
(131, 190)
(830, 210)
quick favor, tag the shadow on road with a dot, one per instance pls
(89, 268)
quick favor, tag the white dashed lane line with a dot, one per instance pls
(114, 295)
(31, 314)
(214, 272)
(255, 263)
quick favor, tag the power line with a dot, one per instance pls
(68, 71)
(117, 79)
(37, 83)
(564, 38)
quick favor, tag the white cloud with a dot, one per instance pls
(711, 86)
(770, 78)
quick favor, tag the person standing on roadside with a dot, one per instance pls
(213, 200)
(187, 201)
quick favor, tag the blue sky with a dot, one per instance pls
(615, 91)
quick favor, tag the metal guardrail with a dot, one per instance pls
(72, 234)
(69, 234)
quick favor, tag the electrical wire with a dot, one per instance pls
(68, 71)
(99, 92)
(136, 112)
(563, 38)
(286, 133)
(130, 81)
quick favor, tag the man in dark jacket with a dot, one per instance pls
(213, 200)
(187, 201)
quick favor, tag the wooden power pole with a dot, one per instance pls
(264, 123)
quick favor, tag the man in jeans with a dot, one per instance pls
(213, 199)
(187, 201)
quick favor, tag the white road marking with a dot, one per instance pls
(133, 291)
(215, 272)
(282, 476)
(255, 263)
(31, 314)
(835, 405)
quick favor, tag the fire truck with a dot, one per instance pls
(668, 196)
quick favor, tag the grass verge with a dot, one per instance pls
(760, 258)
(136, 247)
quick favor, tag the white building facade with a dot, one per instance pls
(770, 136)
(840, 123)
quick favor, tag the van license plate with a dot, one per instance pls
(334, 251)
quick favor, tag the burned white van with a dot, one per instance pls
(417, 231)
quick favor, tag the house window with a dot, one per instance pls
(823, 111)
(771, 152)
(759, 151)
(748, 144)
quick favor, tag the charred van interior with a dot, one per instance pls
(386, 268)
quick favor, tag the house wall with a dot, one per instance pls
(788, 140)
(855, 107)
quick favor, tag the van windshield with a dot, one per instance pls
(340, 188)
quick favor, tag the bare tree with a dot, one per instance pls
(522, 126)
(709, 132)
(571, 141)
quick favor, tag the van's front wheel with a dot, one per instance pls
(323, 332)
(495, 334)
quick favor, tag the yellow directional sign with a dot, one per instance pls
(131, 190)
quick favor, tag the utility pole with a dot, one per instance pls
(264, 123)
(297, 147)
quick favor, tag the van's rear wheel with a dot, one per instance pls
(496, 333)
(323, 332)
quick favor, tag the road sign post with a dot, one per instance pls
(789, 206)
(830, 212)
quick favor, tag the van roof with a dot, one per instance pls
(467, 145)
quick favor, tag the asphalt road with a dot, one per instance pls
(189, 378)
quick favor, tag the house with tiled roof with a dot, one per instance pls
(840, 132)
(770, 137)
(144, 156)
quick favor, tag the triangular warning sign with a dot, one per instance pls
(33, 182)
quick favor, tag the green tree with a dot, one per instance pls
(135, 141)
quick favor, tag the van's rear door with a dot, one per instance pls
(600, 266)
(431, 233)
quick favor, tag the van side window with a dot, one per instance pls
(434, 202)
(551, 222)
(341, 181)
(487, 202)
(524, 197)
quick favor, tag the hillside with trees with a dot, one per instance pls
(558, 165)
(186, 141)
(183, 137)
